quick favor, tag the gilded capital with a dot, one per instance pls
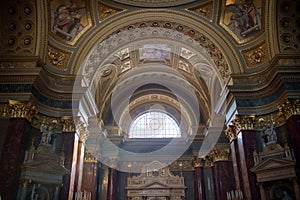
(233, 129)
(197, 162)
(82, 131)
(288, 108)
(68, 124)
(18, 109)
(219, 155)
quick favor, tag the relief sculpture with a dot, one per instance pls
(68, 18)
(243, 17)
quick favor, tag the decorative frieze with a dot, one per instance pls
(251, 122)
(18, 109)
(219, 155)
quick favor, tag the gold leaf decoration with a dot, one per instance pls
(204, 10)
(106, 11)
(57, 58)
(255, 56)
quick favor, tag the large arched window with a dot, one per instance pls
(154, 124)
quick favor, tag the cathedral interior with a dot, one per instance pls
(150, 99)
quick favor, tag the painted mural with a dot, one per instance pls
(242, 17)
(154, 52)
(68, 18)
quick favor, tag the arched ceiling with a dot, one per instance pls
(207, 49)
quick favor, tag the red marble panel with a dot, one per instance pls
(112, 183)
(199, 184)
(69, 148)
(223, 179)
(12, 155)
(89, 178)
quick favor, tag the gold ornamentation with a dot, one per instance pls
(89, 158)
(219, 155)
(40, 120)
(68, 124)
(289, 108)
(82, 130)
(204, 10)
(242, 19)
(106, 11)
(255, 56)
(233, 129)
(4, 111)
(22, 110)
(197, 162)
(57, 58)
(246, 122)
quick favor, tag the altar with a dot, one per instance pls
(155, 183)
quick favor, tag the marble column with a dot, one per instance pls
(83, 134)
(243, 141)
(236, 164)
(198, 164)
(90, 175)
(112, 184)
(223, 180)
(246, 140)
(70, 144)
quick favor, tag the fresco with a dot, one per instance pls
(242, 17)
(68, 18)
(154, 52)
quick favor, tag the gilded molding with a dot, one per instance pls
(18, 109)
(58, 58)
(204, 10)
(219, 155)
(106, 11)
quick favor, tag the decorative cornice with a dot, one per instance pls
(219, 155)
(285, 110)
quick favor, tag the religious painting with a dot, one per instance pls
(242, 18)
(68, 18)
(154, 52)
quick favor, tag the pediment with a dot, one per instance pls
(45, 165)
(273, 164)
